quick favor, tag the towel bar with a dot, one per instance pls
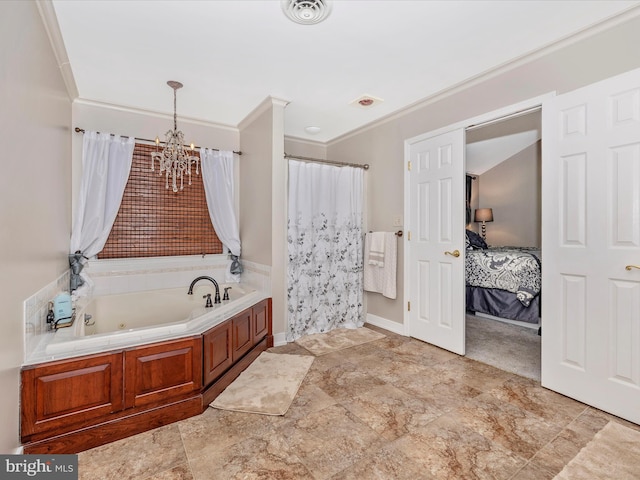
(397, 234)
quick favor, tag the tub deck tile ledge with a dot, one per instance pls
(65, 343)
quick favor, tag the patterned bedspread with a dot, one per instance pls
(514, 269)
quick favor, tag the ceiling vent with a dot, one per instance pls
(306, 12)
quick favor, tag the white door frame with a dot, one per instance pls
(483, 118)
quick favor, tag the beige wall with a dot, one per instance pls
(383, 150)
(263, 177)
(296, 146)
(35, 211)
(512, 189)
(579, 63)
(255, 188)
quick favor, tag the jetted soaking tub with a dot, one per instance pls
(129, 319)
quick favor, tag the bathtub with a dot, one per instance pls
(110, 321)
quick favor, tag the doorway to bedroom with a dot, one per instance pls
(591, 284)
(503, 242)
(435, 212)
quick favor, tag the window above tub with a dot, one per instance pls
(155, 222)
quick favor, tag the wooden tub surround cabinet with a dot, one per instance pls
(71, 405)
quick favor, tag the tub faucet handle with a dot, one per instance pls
(208, 297)
(226, 293)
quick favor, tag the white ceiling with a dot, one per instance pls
(231, 55)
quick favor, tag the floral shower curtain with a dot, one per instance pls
(325, 248)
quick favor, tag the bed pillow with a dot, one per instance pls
(476, 241)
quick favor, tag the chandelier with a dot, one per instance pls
(175, 159)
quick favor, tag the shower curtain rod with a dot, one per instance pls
(330, 162)
(81, 130)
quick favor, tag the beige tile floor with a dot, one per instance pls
(396, 408)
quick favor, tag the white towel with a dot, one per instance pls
(382, 279)
(376, 249)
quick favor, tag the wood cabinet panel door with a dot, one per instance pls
(261, 314)
(218, 352)
(70, 393)
(242, 333)
(163, 371)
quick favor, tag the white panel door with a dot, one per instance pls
(436, 245)
(591, 233)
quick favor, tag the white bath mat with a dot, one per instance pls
(338, 339)
(268, 386)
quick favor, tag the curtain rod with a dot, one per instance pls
(81, 130)
(330, 162)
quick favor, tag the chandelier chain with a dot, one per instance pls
(175, 110)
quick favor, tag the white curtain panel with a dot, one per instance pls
(325, 248)
(106, 162)
(217, 175)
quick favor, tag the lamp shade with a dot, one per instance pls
(483, 215)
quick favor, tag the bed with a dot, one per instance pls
(503, 281)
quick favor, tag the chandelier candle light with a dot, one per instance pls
(174, 159)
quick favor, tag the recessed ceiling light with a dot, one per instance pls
(366, 101)
(312, 130)
(306, 12)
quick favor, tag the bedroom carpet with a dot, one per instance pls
(508, 347)
(613, 453)
(267, 386)
(337, 339)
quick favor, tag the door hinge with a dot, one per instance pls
(409, 165)
(408, 306)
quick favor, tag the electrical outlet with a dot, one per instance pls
(397, 220)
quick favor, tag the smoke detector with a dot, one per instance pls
(306, 12)
(366, 101)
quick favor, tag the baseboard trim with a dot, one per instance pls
(387, 324)
(279, 339)
(519, 323)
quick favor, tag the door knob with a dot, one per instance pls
(629, 267)
(455, 253)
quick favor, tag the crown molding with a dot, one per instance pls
(306, 141)
(50, 21)
(261, 108)
(153, 113)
